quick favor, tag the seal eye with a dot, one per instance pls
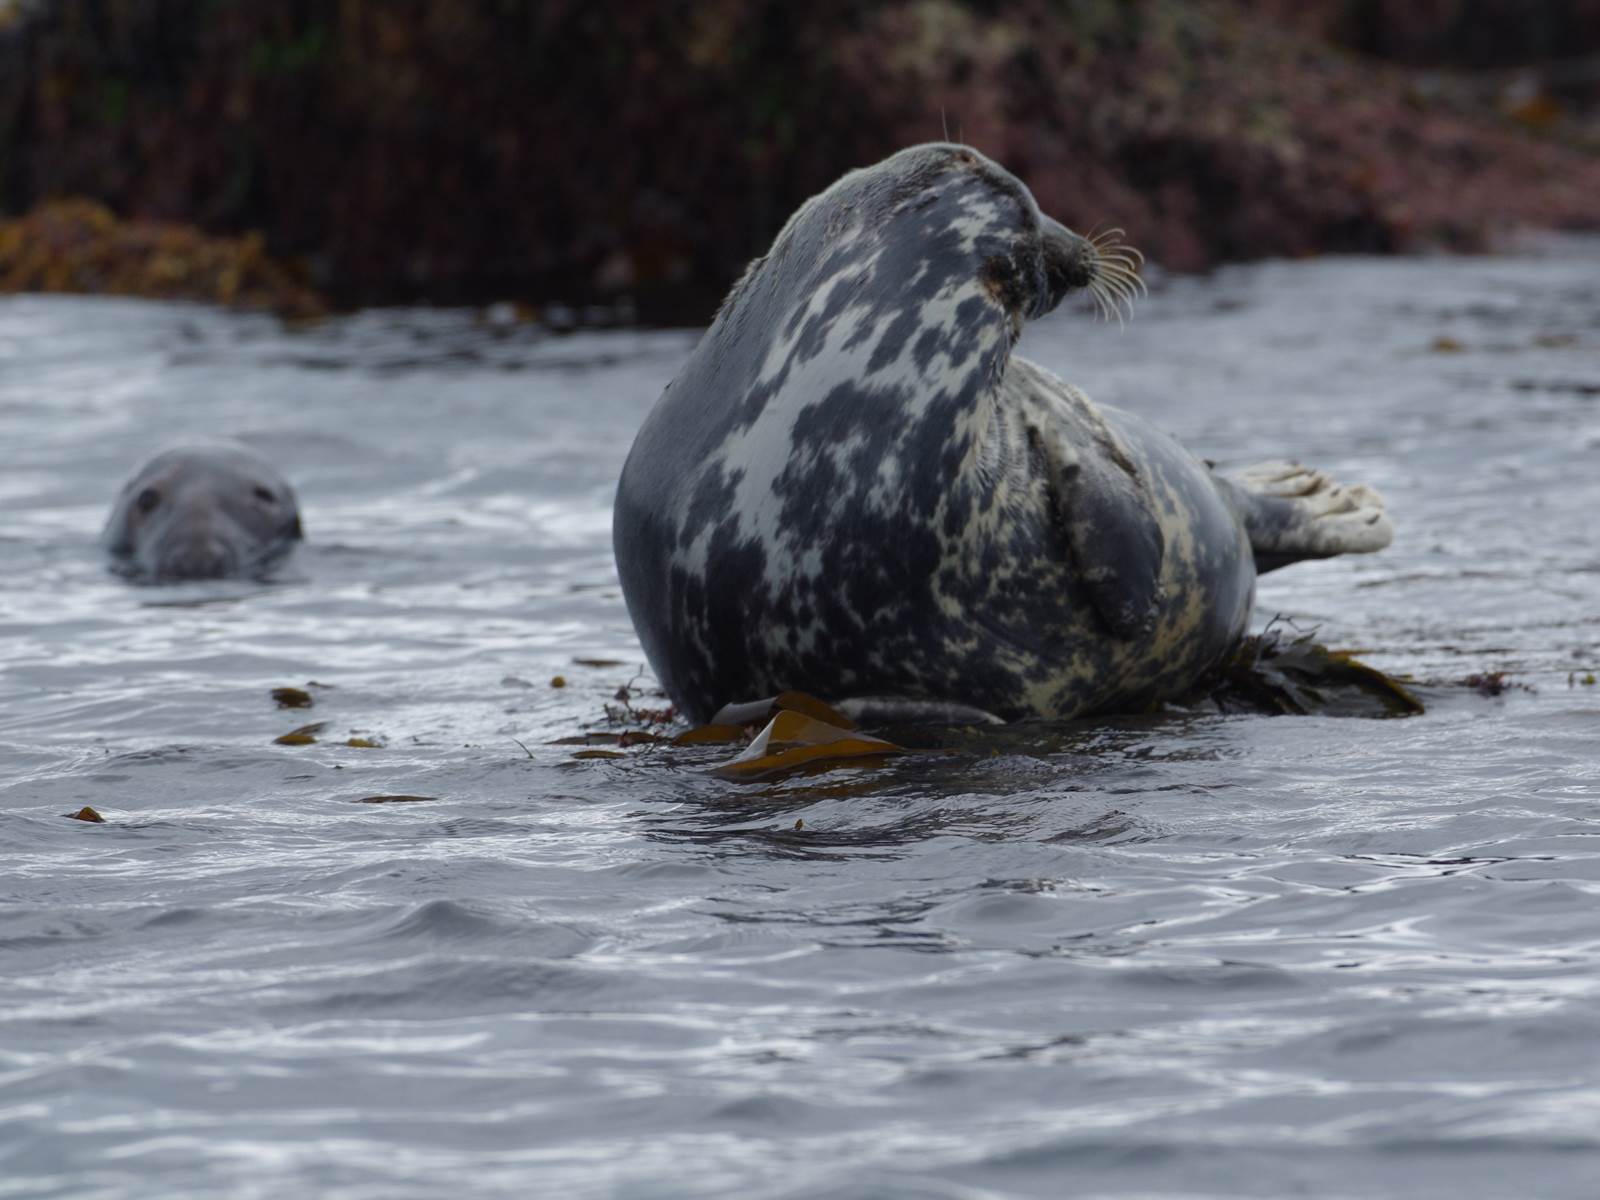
(147, 500)
(264, 495)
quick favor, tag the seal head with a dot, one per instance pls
(202, 511)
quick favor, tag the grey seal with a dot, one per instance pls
(853, 487)
(205, 510)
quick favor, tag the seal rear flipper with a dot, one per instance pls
(1292, 512)
(1112, 533)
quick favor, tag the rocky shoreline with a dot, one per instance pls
(557, 153)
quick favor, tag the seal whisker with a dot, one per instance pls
(1119, 256)
(1110, 302)
(1095, 295)
(1121, 274)
(1116, 270)
(1107, 248)
(1115, 280)
(1129, 296)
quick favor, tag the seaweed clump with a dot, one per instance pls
(1273, 674)
(80, 246)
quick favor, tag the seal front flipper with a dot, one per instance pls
(1292, 512)
(1106, 516)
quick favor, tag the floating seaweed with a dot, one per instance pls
(303, 736)
(1271, 674)
(794, 741)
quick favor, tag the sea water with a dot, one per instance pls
(1174, 956)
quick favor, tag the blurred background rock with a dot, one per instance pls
(576, 153)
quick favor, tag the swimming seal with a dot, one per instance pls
(853, 488)
(202, 511)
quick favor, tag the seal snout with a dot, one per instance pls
(207, 556)
(1069, 261)
(1103, 264)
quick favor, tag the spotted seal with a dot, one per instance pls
(855, 489)
(202, 511)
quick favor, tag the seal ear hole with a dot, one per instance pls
(147, 500)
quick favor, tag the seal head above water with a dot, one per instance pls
(853, 488)
(202, 511)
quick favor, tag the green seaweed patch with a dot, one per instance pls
(85, 814)
(292, 697)
(396, 799)
(1271, 674)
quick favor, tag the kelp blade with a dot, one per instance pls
(793, 740)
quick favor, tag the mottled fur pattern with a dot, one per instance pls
(854, 489)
